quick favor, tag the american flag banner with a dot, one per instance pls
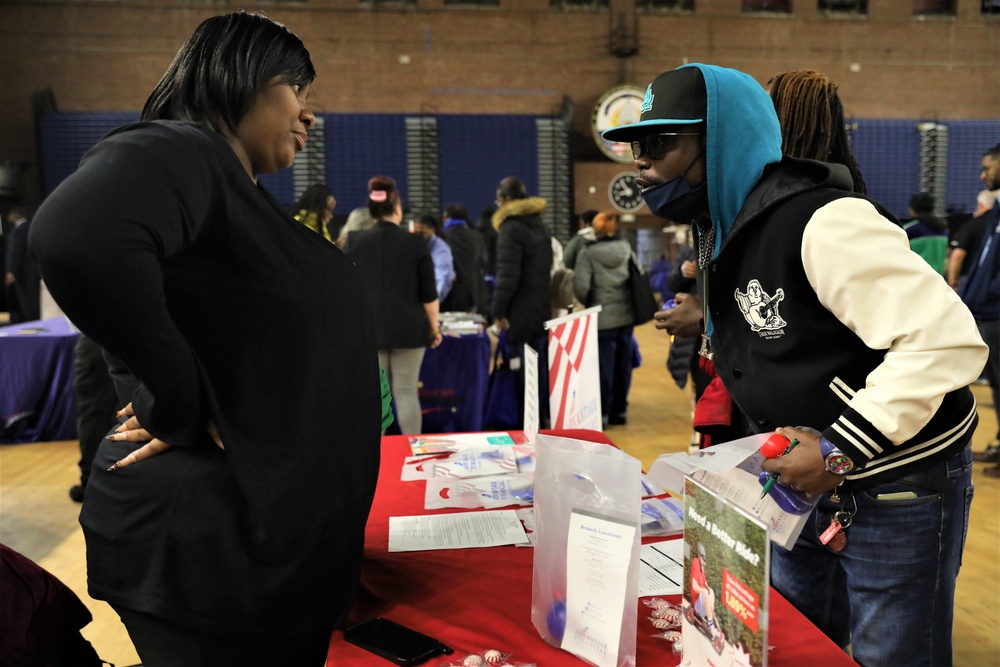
(574, 372)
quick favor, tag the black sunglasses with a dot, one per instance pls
(655, 146)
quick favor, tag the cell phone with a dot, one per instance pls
(394, 642)
(899, 495)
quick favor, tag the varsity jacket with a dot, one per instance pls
(823, 317)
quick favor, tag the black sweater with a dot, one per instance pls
(164, 251)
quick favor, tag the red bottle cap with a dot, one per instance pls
(774, 446)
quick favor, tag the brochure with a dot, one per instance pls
(477, 463)
(490, 491)
(726, 582)
(731, 470)
(470, 463)
(454, 442)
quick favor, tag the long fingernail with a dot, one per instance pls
(116, 466)
(112, 436)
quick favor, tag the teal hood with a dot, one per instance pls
(742, 137)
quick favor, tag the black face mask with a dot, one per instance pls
(675, 199)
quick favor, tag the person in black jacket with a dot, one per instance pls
(521, 298)
(399, 276)
(489, 234)
(225, 517)
(468, 293)
(808, 309)
(21, 279)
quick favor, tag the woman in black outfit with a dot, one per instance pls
(399, 275)
(225, 516)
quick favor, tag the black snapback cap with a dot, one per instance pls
(676, 97)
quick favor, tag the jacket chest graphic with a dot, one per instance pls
(761, 310)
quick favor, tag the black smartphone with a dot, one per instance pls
(395, 642)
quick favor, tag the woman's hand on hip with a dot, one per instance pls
(132, 431)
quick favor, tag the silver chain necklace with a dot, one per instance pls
(706, 245)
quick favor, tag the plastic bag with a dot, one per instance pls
(500, 411)
(600, 480)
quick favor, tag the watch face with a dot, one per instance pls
(625, 193)
(839, 463)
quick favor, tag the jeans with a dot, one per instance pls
(890, 593)
(614, 349)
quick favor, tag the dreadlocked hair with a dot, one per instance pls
(812, 120)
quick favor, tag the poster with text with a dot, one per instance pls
(574, 371)
(726, 582)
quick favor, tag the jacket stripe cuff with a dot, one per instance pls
(857, 437)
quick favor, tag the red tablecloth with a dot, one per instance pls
(475, 599)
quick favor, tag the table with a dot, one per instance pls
(454, 378)
(475, 599)
(36, 381)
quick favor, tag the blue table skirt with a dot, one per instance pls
(36, 381)
(453, 382)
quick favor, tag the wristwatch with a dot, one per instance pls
(837, 461)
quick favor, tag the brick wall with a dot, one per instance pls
(523, 57)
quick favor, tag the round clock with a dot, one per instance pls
(621, 105)
(624, 193)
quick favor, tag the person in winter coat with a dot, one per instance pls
(601, 279)
(521, 302)
(584, 236)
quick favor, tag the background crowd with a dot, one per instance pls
(224, 475)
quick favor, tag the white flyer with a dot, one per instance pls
(598, 555)
(461, 530)
(661, 568)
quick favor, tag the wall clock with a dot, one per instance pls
(625, 193)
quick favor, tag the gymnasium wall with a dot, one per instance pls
(521, 58)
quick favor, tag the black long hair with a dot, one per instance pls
(215, 77)
(313, 200)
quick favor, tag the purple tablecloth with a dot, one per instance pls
(453, 382)
(36, 381)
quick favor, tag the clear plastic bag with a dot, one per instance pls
(600, 480)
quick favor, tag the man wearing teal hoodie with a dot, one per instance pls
(817, 314)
